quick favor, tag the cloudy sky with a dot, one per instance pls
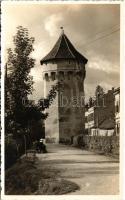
(92, 28)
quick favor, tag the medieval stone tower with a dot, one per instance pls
(66, 65)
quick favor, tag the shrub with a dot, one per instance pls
(11, 153)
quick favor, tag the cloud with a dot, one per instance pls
(36, 72)
(82, 24)
(52, 24)
(98, 76)
(40, 50)
(103, 64)
(38, 90)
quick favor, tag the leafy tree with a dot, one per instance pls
(18, 81)
(91, 101)
(36, 113)
(99, 91)
(19, 84)
(44, 103)
(19, 117)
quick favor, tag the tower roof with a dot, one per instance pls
(63, 50)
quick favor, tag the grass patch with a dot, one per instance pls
(56, 187)
(26, 178)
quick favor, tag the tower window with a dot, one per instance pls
(53, 75)
(70, 73)
(61, 75)
(46, 77)
(79, 74)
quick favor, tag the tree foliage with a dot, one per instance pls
(19, 84)
(18, 81)
(44, 103)
(21, 62)
(99, 92)
(91, 101)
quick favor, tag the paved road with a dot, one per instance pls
(95, 174)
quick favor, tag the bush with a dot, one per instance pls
(14, 148)
(11, 153)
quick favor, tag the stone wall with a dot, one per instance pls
(66, 118)
(100, 144)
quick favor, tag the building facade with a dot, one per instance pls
(65, 65)
(100, 118)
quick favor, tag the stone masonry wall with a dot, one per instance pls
(100, 144)
(66, 119)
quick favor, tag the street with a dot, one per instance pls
(95, 174)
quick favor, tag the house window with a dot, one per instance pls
(97, 132)
(91, 117)
(117, 129)
(117, 107)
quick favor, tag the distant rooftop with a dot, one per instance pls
(63, 50)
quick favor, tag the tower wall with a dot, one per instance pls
(66, 114)
(51, 123)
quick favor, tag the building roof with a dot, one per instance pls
(63, 50)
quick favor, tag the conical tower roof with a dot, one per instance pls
(63, 50)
